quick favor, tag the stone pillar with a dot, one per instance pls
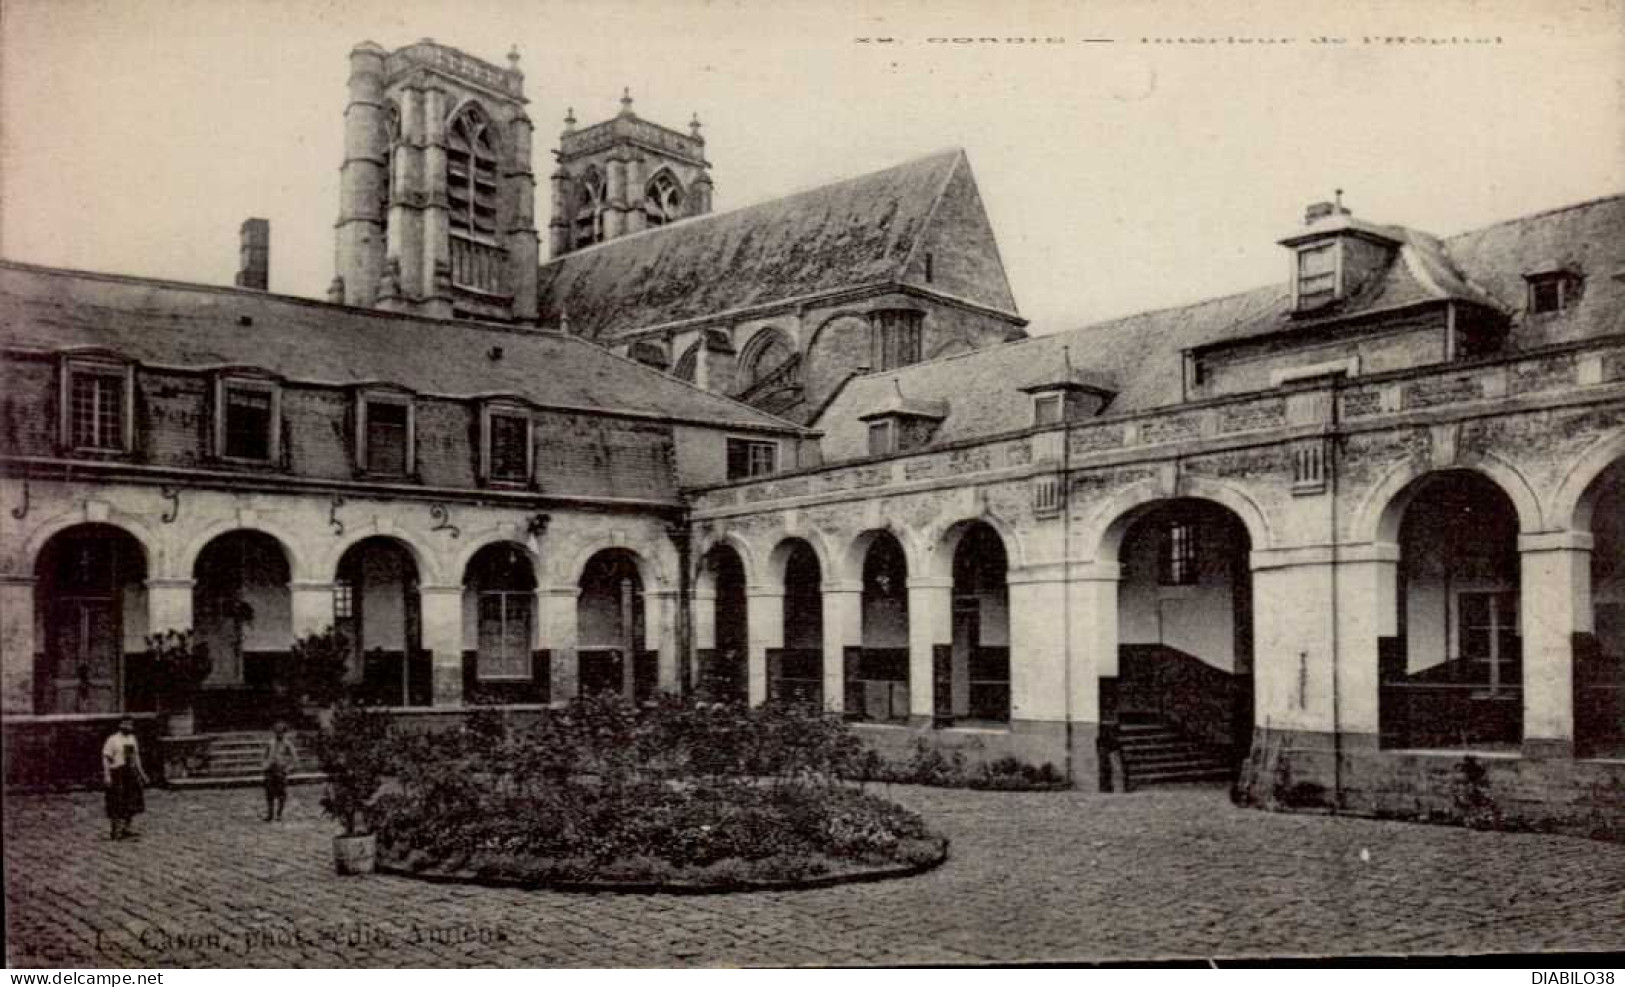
(636, 219)
(402, 276)
(556, 607)
(17, 645)
(1367, 578)
(1038, 652)
(442, 609)
(360, 249)
(436, 222)
(615, 192)
(930, 623)
(312, 606)
(1091, 615)
(700, 199)
(523, 245)
(661, 616)
(1555, 595)
(169, 604)
(1292, 641)
(843, 628)
(560, 225)
(764, 623)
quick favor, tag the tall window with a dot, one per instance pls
(896, 337)
(504, 636)
(882, 438)
(1177, 563)
(386, 438)
(663, 199)
(751, 457)
(246, 427)
(471, 176)
(507, 446)
(1317, 275)
(589, 208)
(97, 406)
(1488, 629)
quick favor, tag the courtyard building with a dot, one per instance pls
(1328, 538)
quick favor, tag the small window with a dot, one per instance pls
(507, 447)
(1178, 560)
(896, 338)
(97, 405)
(1552, 291)
(343, 600)
(751, 457)
(1046, 409)
(1317, 275)
(248, 414)
(882, 438)
(387, 436)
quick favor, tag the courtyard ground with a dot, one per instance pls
(1050, 877)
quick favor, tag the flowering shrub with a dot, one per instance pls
(928, 764)
(602, 791)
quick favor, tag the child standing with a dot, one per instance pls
(280, 759)
(125, 779)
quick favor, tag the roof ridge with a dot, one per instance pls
(930, 215)
(689, 222)
(1582, 204)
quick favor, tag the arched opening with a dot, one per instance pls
(500, 661)
(687, 364)
(588, 208)
(90, 615)
(1452, 678)
(242, 609)
(770, 372)
(663, 199)
(1184, 706)
(610, 628)
(795, 672)
(650, 354)
(877, 679)
(471, 176)
(377, 607)
(1599, 654)
(722, 675)
(973, 674)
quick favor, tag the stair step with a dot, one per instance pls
(242, 781)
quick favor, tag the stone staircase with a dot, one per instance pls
(236, 760)
(1155, 753)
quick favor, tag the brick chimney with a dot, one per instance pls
(255, 255)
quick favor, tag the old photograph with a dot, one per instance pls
(696, 483)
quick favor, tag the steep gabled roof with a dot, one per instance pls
(849, 234)
(1142, 353)
(171, 324)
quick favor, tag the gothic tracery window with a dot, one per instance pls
(471, 176)
(589, 208)
(663, 199)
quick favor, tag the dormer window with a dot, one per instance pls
(97, 406)
(246, 415)
(1317, 275)
(1047, 408)
(384, 434)
(505, 447)
(882, 438)
(896, 337)
(1552, 291)
(751, 458)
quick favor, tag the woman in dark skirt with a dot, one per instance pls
(125, 778)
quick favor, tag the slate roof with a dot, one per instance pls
(843, 235)
(198, 326)
(1142, 353)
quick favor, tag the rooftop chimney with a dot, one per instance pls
(255, 255)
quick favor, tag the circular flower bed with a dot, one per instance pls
(605, 796)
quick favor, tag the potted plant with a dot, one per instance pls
(320, 663)
(353, 753)
(180, 663)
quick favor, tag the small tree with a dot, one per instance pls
(320, 663)
(180, 663)
(354, 755)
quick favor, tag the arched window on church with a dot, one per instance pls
(589, 208)
(471, 176)
(769, 352)
(663, 199)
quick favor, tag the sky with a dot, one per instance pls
(1125, 167)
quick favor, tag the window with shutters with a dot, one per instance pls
(507, 446)
(97, 404)
(471, 176)
(246, 422)
(386, 439)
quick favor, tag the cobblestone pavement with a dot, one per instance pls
(1032, 877)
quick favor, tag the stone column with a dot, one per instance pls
(615, 192)
(436, 222)
(635, 218)
(661, 616)
(930, 623)
(522, 241)
(556, 607)
(843, 627)
(312, 607)
(17, 645)
(1555, 595)
(764, 624)
(1293, 646)
(442, 610)
(1038, 645)
(1367, 578)
(169, 604)
(361, 178)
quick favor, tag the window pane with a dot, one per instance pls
(879, 438)
(248, 423)
(1047, 410)
(509, 460)
(738, 459)
(96, 411)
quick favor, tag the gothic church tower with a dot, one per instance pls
(437, 200)
(622, 176)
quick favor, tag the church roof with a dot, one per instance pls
(1142, 353)
(849, 234)
(171, 324)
